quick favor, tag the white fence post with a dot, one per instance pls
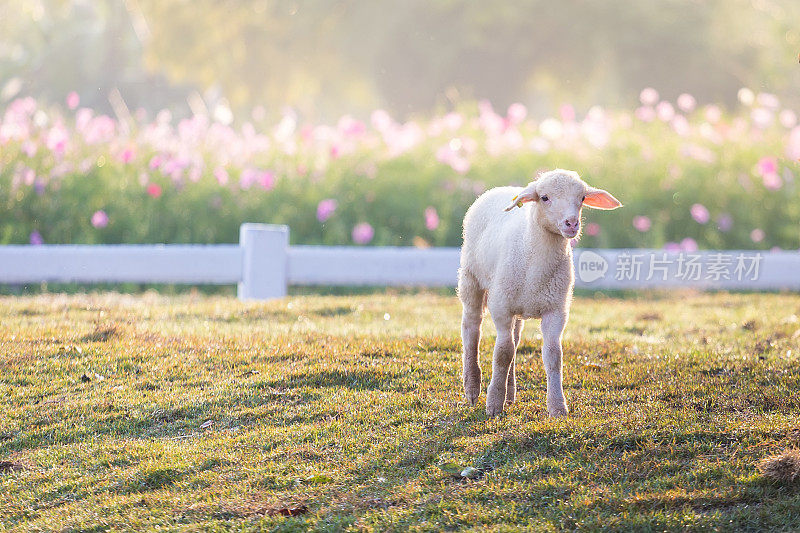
(264, 261)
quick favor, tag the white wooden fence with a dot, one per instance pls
(264, 265)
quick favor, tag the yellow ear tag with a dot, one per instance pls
(519, 204)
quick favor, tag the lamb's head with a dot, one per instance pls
(559, 196)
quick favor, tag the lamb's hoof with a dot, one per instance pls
(494, 410)
(494, 403)
(472, 389)
(471, 395)
(557, 412)
(511, 397)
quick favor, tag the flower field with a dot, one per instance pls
(690, 176)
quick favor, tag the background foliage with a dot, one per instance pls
(688, 176)
(328, 57)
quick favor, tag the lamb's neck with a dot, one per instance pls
(538, 240)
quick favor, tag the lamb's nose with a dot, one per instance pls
(571, 222)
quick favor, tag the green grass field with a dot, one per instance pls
(203, 413)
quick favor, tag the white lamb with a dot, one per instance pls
(519, 265)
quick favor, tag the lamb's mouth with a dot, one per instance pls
(569, 234)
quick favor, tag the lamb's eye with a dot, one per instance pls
(545, 198)
(583, 199)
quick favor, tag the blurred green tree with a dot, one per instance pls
(327, 57)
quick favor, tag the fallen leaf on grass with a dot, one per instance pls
(593, 366)
(318, 479)
(70, 349)
(459, 472)
(471, 472)
(288, 511)
(750, 325)
(10, 466)
(451, 468)
(207, 424)
(782, 468)
(250, 373)
(91, 376)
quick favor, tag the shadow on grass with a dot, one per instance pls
(180, 421)
(352, 379)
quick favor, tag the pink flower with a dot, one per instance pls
(793, 146)
(648, 96)
(101, 128)
(567, 113)
(767, 168)
(57, 139)
(222, 175)
(431, 218)
(100, 219)
(450, 154)
(267, 180)
(772, 181)
(700, 213)
(246, 178)
(326, 208)
(381, 120)
(689, 245)
(73, 100)
(154, 190)
(452, 121)
(490, 122)
(713, 114)
(641, 223)
(681, 126)
(351, 127)
(592, 229)
(363, 233)
(768, 100)
(787, 118)
(672, 247)
(665, 111)
(29, 148)
(126, 156)
(645, 113)
(757, 235)
(724, 222)
(36, 238)
(761, 117)
(686, 103)
(767, 165)
(516, 113)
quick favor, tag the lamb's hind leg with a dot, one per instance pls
(501, 361)
(473, 303)
(511, 386)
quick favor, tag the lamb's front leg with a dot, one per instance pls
(501, 362)
(552, 326)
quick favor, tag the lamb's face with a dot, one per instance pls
(561, 195)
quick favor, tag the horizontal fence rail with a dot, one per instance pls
(264, 265)
(212, 264)
(385, 265)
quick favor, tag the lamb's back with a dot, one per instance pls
(490, 232)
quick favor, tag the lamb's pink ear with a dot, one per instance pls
(528, 194)
(600, 199)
